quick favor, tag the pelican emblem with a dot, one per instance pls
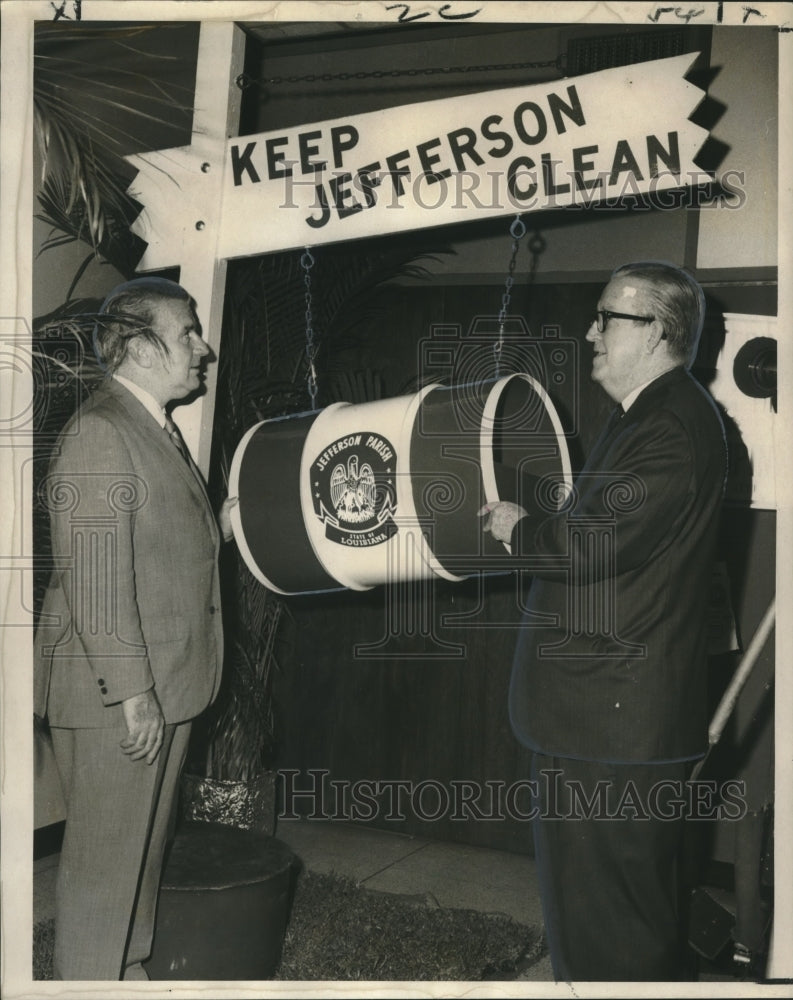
(353, 489)
(352, 492)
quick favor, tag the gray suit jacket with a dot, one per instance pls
(134, 599)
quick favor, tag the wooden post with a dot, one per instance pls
(221, 50)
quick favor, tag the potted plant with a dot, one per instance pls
(230, 777)
(238, 786)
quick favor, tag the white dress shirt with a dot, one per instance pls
(145, 398)
(632, 396)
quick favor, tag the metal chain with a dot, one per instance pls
(536, 247)
(244, 81)
(307, 262)
(517, 231)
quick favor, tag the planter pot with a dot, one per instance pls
(247, 805)
(223, 906)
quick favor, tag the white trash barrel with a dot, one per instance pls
(357, 495)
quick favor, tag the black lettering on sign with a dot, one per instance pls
(669, 155)
(307, 150)
(428, 161)
(581, 166)
(463, 143)
(573, 110)
(551, 187)
(398, 172)
(276, 157)
(341, 194)
(624, 162)
(540, 124)
(528, 192)
(489, 132)
(241, 164)
(324, 217)
(342, 138)
(368, 178)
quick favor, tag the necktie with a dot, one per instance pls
(176, 438)
(605, 435)
(616, 415)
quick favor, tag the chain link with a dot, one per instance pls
(307, 262)
(536, 247)
(517, 231)
(244, 81)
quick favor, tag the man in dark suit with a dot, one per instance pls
(609, 679)
(129, 647)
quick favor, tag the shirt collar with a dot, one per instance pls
(631, 398)
(143, 397)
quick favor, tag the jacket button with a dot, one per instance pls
(212, 609)
(103, 690)
(100, 682)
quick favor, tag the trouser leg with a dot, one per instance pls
(609, 886)
(142, 931)
(751, 901)
(109, 802)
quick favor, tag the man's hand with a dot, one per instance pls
(501, 519)
(224, 517)
(145, 726)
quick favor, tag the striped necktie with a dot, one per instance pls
(176, 438)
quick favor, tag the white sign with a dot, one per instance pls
(582, 140)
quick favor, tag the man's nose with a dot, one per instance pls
(592, 333)
(200, 347)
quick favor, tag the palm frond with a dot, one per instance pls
(65, 371)
(85, 123)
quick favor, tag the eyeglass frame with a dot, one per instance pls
(608, 315)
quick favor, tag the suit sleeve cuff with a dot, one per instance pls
(522, 538)
(115, 686)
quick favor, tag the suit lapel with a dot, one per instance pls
(643, 404)
(646, 400)
(146, 424)
(610, 430)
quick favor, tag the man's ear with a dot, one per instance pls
(139, 350)
(655, 335)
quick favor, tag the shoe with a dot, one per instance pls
(747, 964)
(136, 971)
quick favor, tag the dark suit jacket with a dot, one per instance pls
(612, 655)
(134, 600)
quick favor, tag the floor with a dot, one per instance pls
(446, 874)
(449, 875)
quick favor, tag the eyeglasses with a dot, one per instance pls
(604, 315)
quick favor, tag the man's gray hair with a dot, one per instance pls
(678, 304)
(127, 312)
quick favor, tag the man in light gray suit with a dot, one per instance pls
(129, 646)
